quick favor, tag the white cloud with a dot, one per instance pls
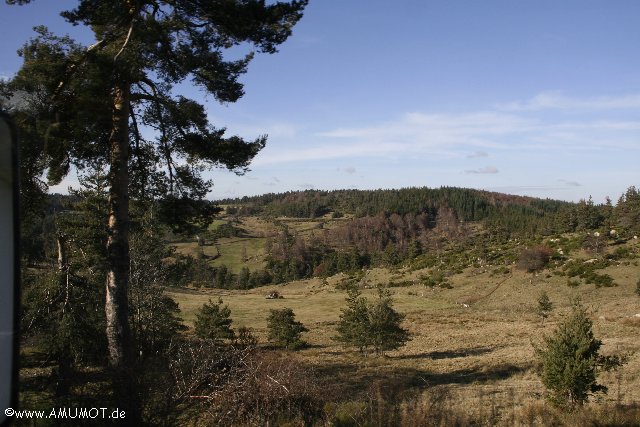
(477, 154)
(484, 170)
(468, 134)
(557, 100)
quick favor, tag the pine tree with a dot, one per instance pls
(386, 331)
(284, 330)
(571, 360)
(92, 101)
(243, 278)
(354, 327)
(213, 322)
(544, 306)
(154, 316)
(363, 324)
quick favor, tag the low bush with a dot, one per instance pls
(534, 259)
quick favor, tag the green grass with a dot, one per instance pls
(216, 223)
(232, 250)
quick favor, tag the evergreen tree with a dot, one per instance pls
(92, 101)
(213, 322)
(62, 305)
(284, 330)
(414, 250)
(154, 316)
(386, 331)
(243, 278)
(627, 211)
(544, 306)
(377, 325)
(571, 360)
(354, 327)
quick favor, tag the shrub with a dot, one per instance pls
(587, 271)
(600, 280)
(573, 283)
(284, 330)
(213, 322)
(242, 386)
(534, 259)
(436, 279)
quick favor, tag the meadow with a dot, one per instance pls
(472, 345)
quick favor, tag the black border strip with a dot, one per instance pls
(16, 262)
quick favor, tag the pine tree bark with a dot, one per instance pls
(65, 361)
(121, 358)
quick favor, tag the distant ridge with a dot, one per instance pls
(468, 204)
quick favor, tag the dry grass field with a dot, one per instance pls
(473, 343)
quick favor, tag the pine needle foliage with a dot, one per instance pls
(285, 330)
(376, 325)
(385, 323)
(353, 327)
(544, 306)
(571, 361)
(213, 322)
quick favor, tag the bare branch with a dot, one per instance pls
(74, 66)
(126, 41)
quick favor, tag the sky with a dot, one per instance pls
(528, 97)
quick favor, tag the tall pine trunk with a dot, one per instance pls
(121, 358)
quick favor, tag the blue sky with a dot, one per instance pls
(537, 98)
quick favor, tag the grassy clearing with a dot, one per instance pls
(472, 343)
(217, 223)
(234, 249)
(482, 354)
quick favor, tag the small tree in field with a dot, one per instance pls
(213, 322)
(354, 327)
(363, 324)
(284, 329)
(386, 333)
(544, 306)
(571, 361)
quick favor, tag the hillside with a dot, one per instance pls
(466, 204)
(280, 237)
(473, 323)
(466, 282)
(468, 292)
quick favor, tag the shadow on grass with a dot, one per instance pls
(358, 380)
(448, 354)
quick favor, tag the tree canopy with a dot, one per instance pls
(117, 102)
